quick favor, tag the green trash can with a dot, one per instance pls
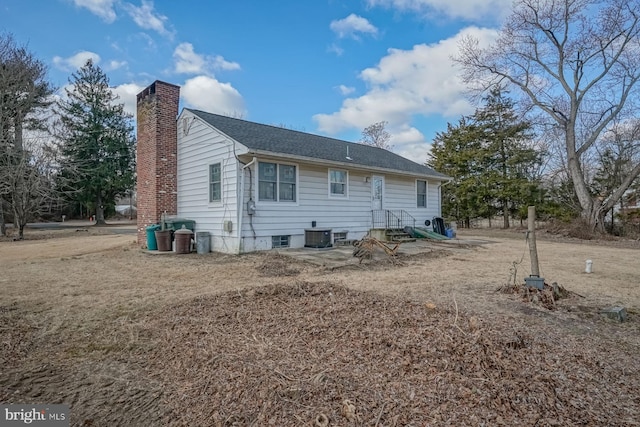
(175, 224)
(152, 243)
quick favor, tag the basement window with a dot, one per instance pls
(339, 236)
(280, 241)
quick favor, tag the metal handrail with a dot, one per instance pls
(391, 219)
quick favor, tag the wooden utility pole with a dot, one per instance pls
(533, 251)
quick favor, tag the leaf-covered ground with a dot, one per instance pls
(320, 354)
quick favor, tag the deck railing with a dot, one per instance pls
(393, 219)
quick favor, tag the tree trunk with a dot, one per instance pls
(3, 225)
(590, 210)
(505, 213)
(596, 218)
(100, 211)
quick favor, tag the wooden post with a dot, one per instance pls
(533, 251)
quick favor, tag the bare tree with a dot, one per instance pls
(24, 92)
(27, 181)
(376, 135)
(578, 62)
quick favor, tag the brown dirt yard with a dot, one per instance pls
(313, 338)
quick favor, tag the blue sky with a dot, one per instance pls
(321, 66)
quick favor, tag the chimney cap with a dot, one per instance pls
(151, 89)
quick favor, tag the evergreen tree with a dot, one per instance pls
(458, 153)
(492, 163)
(511, 164)
(97, 142)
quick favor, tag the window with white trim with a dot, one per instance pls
(215, 182)
(276, 182)
(338, 180)
(421, 193)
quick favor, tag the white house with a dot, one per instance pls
(256, 187)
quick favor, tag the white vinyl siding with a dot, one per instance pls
(338, 183)
(198, 149)
(307, 183)
(400, 194)
(313, 204)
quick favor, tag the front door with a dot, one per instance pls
(377, 191)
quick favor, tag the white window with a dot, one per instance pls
(421, 193)
(338, 180)
(215, 182)
(276, 182)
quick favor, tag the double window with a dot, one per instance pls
(215, 182)
(276, 182)
(338, 180)
(421, 193)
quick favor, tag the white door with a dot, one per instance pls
(377, 191)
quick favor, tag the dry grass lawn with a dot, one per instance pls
(129, 338)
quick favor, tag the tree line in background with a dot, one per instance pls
(494, 161)
(72, 154)
(569, 143)
(575, 66)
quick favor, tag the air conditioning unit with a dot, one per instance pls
(317, 238)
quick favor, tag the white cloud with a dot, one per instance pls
(101, 8)
(76, 61)
(187, 61)
(334, 48)
(127, 95)
(147, 18)
(114, 65)
(465, 9)
(345, 90)
(405, 83)
(351, 26)
(208, 94)
(219, 63)
(409, 142)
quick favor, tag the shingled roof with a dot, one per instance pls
(290, 143)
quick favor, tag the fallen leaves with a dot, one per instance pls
(321, 354)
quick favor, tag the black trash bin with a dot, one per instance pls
(438, 226)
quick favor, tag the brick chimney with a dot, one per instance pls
(157, 111)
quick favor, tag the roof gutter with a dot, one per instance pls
(442, 184)
(345, 164)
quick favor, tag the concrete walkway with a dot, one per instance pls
(339, 256)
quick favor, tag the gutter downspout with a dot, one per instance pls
(241, 206)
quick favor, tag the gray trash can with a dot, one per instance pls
(203, 242)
